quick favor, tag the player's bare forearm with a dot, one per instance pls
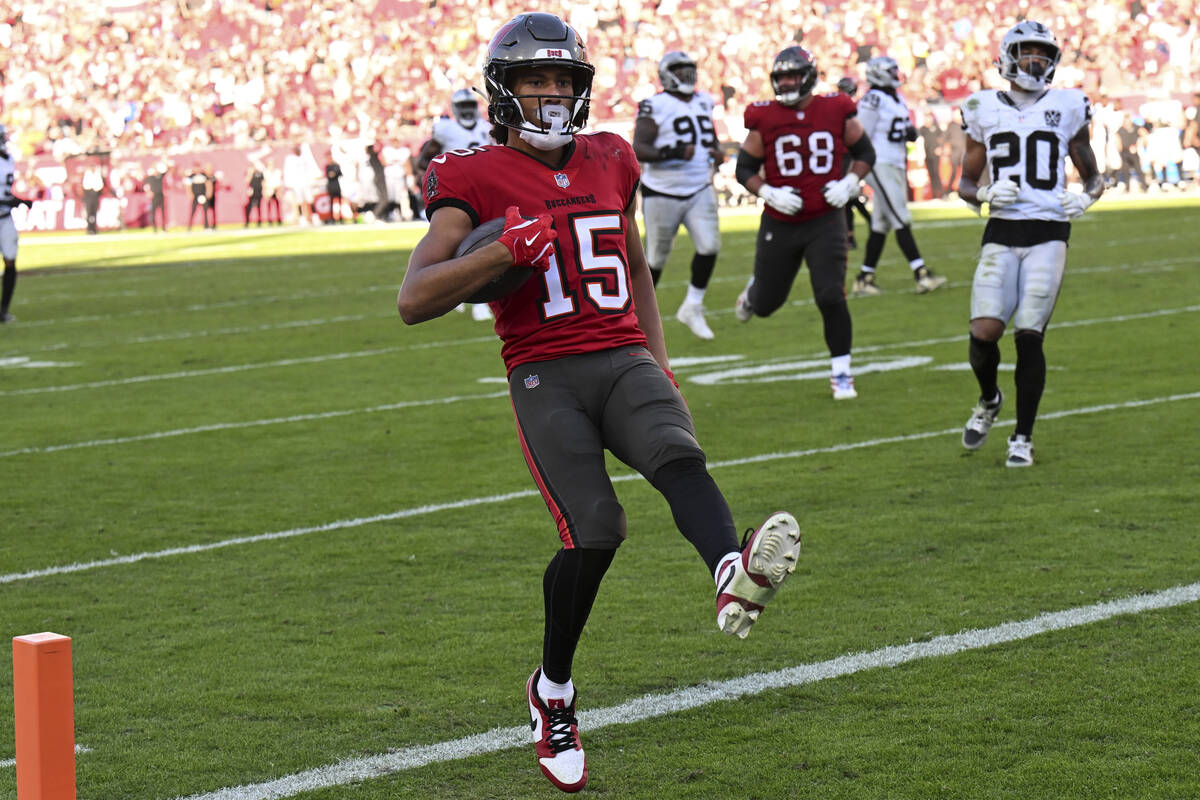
(1084, 159)
(642, 288)
(973, 163)
(435, 281)
(645, 131)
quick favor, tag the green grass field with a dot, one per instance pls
(299, 554)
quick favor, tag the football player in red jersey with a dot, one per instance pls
(793, 159)
(583, 346)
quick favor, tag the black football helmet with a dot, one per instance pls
(794, 60)
(535, 40)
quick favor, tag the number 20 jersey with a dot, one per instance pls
(584, 302)
(1028, 145)
(803, 147)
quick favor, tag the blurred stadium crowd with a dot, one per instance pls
(177, 76)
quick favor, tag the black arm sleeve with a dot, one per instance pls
(863, 150)
(748, 166)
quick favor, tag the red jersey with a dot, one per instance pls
(803, 147)
(584, 302)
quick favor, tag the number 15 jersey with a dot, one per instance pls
(803, 147)
(584, 302)
(1028, 145)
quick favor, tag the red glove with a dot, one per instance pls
(530, 241)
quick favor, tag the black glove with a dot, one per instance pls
(910, 134)
(673, 153)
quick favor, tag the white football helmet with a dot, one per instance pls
(883, 72)
(1041, 67)
(465, 107)
(677, 71)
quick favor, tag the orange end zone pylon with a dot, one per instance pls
(44, 710)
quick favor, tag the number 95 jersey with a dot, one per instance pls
(802, 147)
(680, 122)
(1028, 145)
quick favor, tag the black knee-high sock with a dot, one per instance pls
(699, 508)
(569, 586)
(702, 269)
(874, 249)
(9, 286)
(908, 245)
(1030, 379)
(985, 362)
(839, 330)
(655, 274)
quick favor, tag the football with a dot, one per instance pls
(506, 282)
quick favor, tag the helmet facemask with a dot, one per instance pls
(677, 72)
(883, 72)
(557, 118)
(538, 40)
(793, 61)
(1019, 44)
(464, 107)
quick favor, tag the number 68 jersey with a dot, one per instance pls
(802, 147)
(1028, 145)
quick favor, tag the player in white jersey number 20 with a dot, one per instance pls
(1021, 137)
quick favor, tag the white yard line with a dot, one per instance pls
(501, 498)
(138, 379)
(229, 426)
(651, 706)
(12, 762)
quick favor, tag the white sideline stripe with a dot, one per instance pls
(650, 706)
(12, 762)
(289, 362)
(229, 426)
(501, 498)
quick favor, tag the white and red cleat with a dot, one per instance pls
(556, 738)
(745, 584)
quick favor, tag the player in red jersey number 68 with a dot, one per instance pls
(793, 158)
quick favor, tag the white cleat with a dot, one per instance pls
(556, 738)
(981, 421)
(1020, 451)
(745, 584)
(692, 315)
(928, 280)
(842, 387)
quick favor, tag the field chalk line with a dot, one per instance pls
(323, 415)
(405, 513)
(331, 357)
(650, 706)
